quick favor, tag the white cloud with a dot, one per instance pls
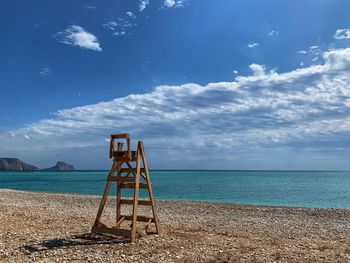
(12, 134)
(110, 25)
(273, 33)
(169, 3)
(27, 137)
(302, 52)
(77, 36)
(130, 14)
(342, 34)
(119, 33)
(307, 108)
(45, 71)
(122, 25)
(314, 54)
(174, 3)
(143, 4)
(252, 45)
(91, 7)
(257, 69)
(235, 72)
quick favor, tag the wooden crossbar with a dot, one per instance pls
(128, 177)
(121, 220)
(132, 170)
(125, 179)
(139, 218)
(148, 225)
(132, 185)
(131, 202)
(111, 231)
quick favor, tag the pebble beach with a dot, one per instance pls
(50, 227)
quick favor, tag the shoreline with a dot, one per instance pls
(54, 227)
(180, 200)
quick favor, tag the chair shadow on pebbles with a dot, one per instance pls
(73, 241)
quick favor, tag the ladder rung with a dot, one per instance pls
(124, 153)
(125, 159)
(120, 136)
(131, 202)
(139, 218)
(127, 170)
(111, 231)
(141, 232)
(117, 225)
(132, 185)
(147, 226)
(112, 178)
(126, 179)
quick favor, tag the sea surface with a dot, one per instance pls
(277, 188)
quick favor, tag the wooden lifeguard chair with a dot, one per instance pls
(127, 176)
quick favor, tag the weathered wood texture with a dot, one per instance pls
(127, 177)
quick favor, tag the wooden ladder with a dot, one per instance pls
(130, 177)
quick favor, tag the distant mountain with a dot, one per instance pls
(14, 164)
(61, 166)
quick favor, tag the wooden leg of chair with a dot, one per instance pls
(136, 198)
(118, 203)
(118, 194)
(105, 195)
(150, 190)
(103, 203)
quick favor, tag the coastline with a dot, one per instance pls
(186, 201)
(55, 227)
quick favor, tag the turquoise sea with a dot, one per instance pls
(282, 188)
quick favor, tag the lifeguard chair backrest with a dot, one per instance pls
(112, 148)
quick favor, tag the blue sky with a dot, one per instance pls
(206, 84)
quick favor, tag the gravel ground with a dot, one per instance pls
(46, 227)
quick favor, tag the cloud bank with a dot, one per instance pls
(304, 109)
(77, 36)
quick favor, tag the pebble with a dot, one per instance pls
(45, 227)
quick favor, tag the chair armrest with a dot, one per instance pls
(112, 144)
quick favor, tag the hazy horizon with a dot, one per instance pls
(207, 85)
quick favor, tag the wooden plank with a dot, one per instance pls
(129, 165)
(147, 226)
(120, 136)
(128, 148)
(118, 190)
(120, 146)
(123, 159)
(150, 190)
(121, 220)
(141, 232)
(111, 231)
(105, 195)
(121, 153)
(126, 179)
(139, 218)
(111, 148)
(132, 185)
(103, 202)
(136, 198)
(112, 178)
(131, 170)
(130, 202)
